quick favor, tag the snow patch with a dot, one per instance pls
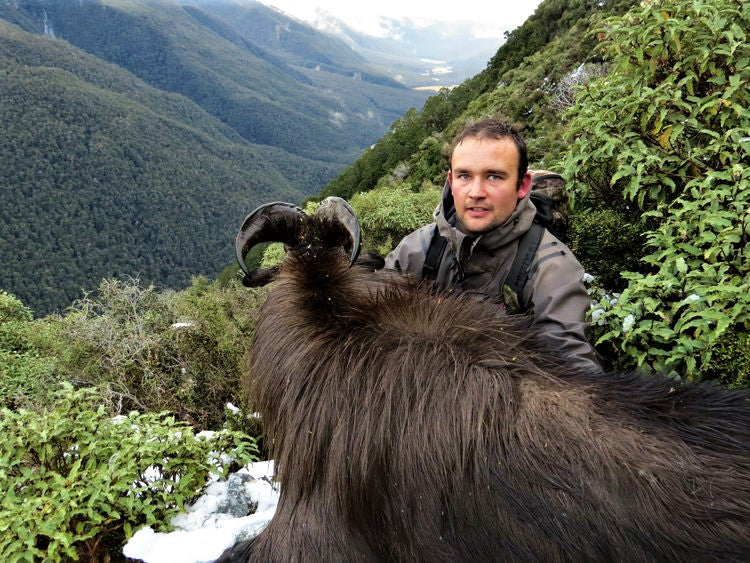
(204, 531)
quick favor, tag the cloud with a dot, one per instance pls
(488, 19)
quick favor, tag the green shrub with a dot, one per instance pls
(25, 379)
(388, 213)
(272, 255)
(211, 351)
(151, 351)
(13, 317)
(606, 243)
(12, 309)
(730, 358)
(668, 129)
(73, 480)
(25, 375)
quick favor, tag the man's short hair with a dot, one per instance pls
(494, 128)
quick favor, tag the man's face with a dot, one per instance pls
(484, 182)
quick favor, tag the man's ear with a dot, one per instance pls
(525, 186)
(450, 178)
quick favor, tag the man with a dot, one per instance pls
(485, 212)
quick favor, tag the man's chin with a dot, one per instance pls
(476, 227)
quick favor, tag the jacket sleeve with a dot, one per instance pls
(560, 303)
(408, 257)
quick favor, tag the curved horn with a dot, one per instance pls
(277, 222)
(338, 209)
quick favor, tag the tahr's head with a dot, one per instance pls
(334, 224)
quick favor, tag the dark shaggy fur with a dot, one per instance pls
(408, 427)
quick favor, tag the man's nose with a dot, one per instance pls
(476, 189)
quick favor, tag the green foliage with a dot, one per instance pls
(73, 479)
(668, 129)
(25, 378)
(24, 374)
(730, 359)
(155, 351)
(273, 254)
(389, 213)
(13, 317)
(606, 243)
(12, 309)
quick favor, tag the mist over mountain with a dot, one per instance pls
(419, 54)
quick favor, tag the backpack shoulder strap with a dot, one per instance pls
(521, 267)
(434, 255)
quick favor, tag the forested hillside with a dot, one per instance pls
(103, 175)
(246, 75)
(144, 165)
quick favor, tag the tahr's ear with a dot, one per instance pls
(371, 261)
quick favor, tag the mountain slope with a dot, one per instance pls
(140, 150)
(188, 50)
(103, 175)
(294, 43)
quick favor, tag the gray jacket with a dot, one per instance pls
(480, 264)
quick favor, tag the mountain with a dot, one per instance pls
(102, 175)
(289, 41)
(137, 134)
(234, 72)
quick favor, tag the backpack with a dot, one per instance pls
(550, 197)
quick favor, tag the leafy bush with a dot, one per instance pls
(668, 129)
(389, 213)
(13, 315)
(606, 244)
(25, 378)
(74, 480)
(24, 375)
(12, 309)
(730, 359)
(153, 351)
(211, 351)
(273, 255)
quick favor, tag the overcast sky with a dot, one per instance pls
(491, 17)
